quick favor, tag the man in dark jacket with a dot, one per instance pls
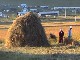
(61, 34)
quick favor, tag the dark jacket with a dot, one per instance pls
(61, 33)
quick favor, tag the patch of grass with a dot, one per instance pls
(9, 54)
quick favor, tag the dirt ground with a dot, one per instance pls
(51, 28)
(55, 52)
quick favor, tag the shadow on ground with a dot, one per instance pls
(20, 56)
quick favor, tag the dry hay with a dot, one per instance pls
(26, 30)
(52, 36)
(68, 41)
(71, 42)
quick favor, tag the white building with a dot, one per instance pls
(21, 13)
(33, 10)
(44, 6)
(1, 14)
(55, 13)
(24, 6)
(24, 10)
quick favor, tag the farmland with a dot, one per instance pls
(50, 24)
(56, 51)
(51, 27)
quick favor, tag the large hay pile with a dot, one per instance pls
(26, 30)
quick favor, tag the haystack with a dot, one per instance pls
(26, 30)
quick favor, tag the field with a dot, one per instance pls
(55, 52)
(55, 27)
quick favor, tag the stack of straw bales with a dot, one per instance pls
(26, 30)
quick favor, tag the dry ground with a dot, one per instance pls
(51, 28)
(56, 52)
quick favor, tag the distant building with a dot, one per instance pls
(1, 14)
(54, 13)
(33, 10)
(24, 10)
(24, 5)
(21, 13)
(43, 6)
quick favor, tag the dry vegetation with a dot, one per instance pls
(57, 52)
(55, 27)
(26, 30)
(51, 28)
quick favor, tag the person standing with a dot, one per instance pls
(70, 33)
(61, 35)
